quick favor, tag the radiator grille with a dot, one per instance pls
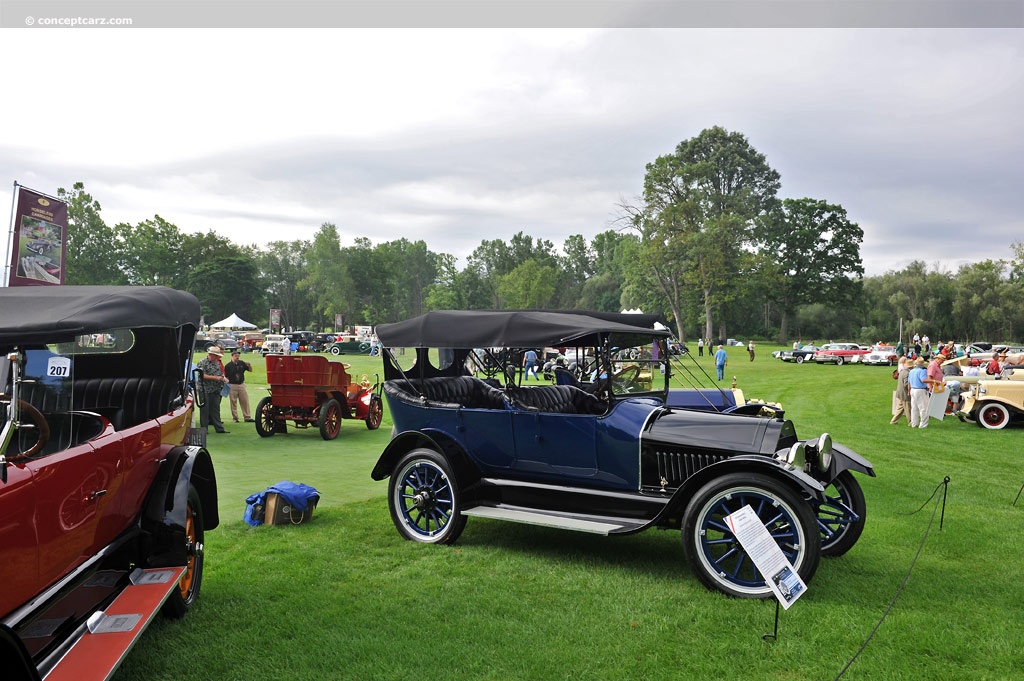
(675, 467)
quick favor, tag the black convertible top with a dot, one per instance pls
(514, 328)
(49, 314)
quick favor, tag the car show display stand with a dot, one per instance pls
(111, 633)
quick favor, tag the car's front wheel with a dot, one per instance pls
(839, 361)
(993, 416)
(335, 350)
(184, 597)
(841, 516)
(715, 553)
(265, 417)
(423, 497)
(375, 413)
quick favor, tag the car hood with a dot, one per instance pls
(716, 431)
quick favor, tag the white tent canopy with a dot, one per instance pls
(233, 322)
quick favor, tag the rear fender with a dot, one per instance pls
(400, 445)
(403, 443)
(163, 515)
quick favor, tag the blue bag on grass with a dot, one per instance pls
(295, 496)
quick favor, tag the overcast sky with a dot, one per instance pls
(457, 136)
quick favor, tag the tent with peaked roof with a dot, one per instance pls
(233, 322)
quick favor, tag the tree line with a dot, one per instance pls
(708, 244)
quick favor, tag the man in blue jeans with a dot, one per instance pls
(721, 359)
(529, 364)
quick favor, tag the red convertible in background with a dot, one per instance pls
(840, 353)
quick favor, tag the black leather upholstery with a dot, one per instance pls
(126, 402)
(467, 392)
(559, 399)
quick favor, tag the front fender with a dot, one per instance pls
(793, 477)
(844, 458)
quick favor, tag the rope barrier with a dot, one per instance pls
(944, 486)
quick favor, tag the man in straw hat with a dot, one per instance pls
(213, 381)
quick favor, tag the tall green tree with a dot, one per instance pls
(93, 248)
(224, 284)
(809, 252)
(281, 266)
(700, 204)
(326, 281)
(531, 285)
(152, 254)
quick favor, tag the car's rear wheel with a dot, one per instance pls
(993, 416)
(800, 359)
(184, 597)
(841, 516)
(423, 497)
(375, 413)
(265, 417)
(329, 419)
(715, 553)
(335, 350)
(839, 361)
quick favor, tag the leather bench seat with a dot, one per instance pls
(454, 392)
(558, 399)
(125, 402)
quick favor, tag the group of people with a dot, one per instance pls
(919, 379)
(219, 379)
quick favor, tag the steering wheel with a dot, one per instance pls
(42, 427)
(624, 384)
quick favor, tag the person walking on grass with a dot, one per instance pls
(721, 361)
(529, 364)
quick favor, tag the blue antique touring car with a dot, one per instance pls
(606, 455)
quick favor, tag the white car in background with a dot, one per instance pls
(880, 354)
(276, 344)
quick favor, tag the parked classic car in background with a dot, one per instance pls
(880, 354)
(839, 353)
(275, 344)
(606, 456)
(103, 504)
(995, 403)
(347, 344)
(798, 355)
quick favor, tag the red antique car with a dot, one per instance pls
(103, 504)
(312, 390)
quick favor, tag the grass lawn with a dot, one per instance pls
(344, 597)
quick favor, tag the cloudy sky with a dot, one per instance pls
(454, 136)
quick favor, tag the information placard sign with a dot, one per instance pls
(769, 559)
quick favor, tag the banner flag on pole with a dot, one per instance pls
(38, 240)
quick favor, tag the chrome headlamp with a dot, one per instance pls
(824, 451)
(797, 455)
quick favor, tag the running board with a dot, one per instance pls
(110, 634)
(595, 525)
